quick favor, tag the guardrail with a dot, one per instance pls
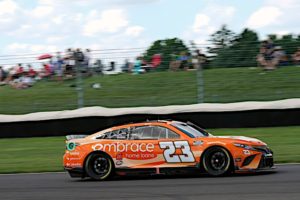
(90, 120)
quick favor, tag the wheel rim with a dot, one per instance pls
(218, 160)
(101, 166)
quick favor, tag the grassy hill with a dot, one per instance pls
(155, 89)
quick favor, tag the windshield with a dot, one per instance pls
(190, 129)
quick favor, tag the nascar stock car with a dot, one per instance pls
(162, 147)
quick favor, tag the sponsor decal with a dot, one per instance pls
(119, 162)
(73, 159)
(124, 147)
(197, 143)
(140, 156)
(246, 152)
(73, 164)
(170, 152)
(119, 156)
(71, 146)
(74, 153)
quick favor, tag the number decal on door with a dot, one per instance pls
(170, 150)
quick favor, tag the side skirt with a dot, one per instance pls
(158, 171)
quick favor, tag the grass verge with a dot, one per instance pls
(45, 154)
(155, 89)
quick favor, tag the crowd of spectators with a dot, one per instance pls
(59, 67)
(182, 61)
(296, 57)
(187, 61)
(271, 57)
(65, 65)
(18, 77)
(140, 65)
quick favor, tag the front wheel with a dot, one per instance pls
(99, 166)
(216, 161)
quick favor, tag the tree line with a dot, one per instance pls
(227, 49)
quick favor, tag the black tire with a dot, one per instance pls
(99, 166)
(217, 161)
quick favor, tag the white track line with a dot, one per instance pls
(36, 173)
(31, 173)
(280, 164)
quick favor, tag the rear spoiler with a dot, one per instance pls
(70, 137)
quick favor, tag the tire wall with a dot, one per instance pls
(89, 125)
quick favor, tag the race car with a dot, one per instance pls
(162, 147)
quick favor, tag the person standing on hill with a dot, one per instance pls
(58, 63)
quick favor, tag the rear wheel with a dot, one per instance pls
(99, 166)
(216, 161)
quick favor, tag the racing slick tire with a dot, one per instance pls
(99, 166)
(217, 161)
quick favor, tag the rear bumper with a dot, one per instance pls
(76, 172)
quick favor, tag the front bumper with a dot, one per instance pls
(266, 161)
(259, 160)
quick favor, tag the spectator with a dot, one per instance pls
(265, 56)
(58, 67)
(19, 71)
(296, 57)
(99, 67)
(69, 61)
(112, 66)
(2, 74)
(87, 57)
(86, 62)
(279, 57)
(175, 62)
(137, 66)
(14, 73)
(183, 59)
(126, 67)
(198, 59)
(145, 67)
(156, 60)
(79, 57)
(10, 75)
(23, 82)
(46, 71)
(31, 72)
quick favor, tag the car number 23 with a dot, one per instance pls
(170, 151)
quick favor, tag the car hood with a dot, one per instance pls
(243, 139)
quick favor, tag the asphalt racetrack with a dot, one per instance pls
(283, 184)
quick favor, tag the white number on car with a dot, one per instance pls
(170, 150)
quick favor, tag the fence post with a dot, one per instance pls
(200, 83)
(79, 85)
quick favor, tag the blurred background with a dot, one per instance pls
(61, 55)
(229, 67)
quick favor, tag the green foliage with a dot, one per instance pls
(221, 40)
(228, 49)
(168, 48)
(240, 53)
(289, 43)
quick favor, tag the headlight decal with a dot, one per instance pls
(244, 146)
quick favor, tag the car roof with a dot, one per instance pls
(145, 123)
